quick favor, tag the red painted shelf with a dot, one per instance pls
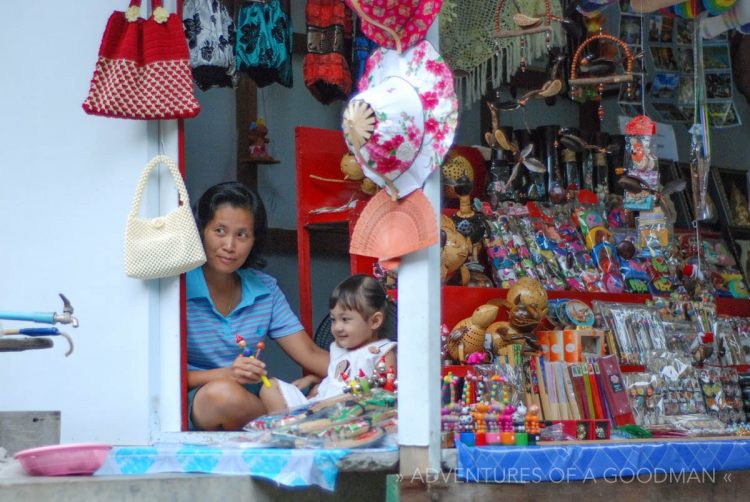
(460, 301)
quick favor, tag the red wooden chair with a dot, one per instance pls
(321, 205)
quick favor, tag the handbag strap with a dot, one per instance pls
(176, 176)
(134, 9)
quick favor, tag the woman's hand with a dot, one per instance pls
(246, 370)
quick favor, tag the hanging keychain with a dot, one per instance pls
(602, 66)
(524, 25)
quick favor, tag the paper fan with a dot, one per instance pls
(390, 229)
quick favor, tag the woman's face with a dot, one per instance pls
(228, 238)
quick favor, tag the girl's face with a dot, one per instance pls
(228, 238)
(351, 330)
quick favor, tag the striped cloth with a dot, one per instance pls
(263, 310)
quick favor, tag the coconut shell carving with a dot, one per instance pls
(529, 292)
(467, 336)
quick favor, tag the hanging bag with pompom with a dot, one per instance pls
(142, 71)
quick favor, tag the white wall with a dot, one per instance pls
(66, 184)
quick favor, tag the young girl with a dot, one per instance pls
(358, 309)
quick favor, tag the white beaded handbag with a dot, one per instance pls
(165, 246)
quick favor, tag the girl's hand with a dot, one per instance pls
(245, 370)
(306, 381)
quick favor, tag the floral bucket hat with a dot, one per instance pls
(402, 123)
(396, 24)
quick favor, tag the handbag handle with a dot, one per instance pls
(176, 176)
(134, 10)
(396, 39)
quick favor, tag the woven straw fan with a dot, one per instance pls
(359, 124)
(389, 229)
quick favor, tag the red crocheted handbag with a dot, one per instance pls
(143, 70)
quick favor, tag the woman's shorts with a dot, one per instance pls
(253, 388)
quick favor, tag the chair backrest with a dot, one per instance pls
(323, 337)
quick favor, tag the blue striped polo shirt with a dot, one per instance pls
(263, 310)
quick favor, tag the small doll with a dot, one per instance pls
(532, 420)
(258, 140)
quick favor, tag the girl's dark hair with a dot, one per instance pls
(360, 293)
(236, 195)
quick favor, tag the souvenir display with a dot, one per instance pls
(258, 141)
(347, 421)
(680, 389)
(645, 395)
(721, 393)
(499, 187)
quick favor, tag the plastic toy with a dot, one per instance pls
(248, 352)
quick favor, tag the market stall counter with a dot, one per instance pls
(285, 467)
(645, 460)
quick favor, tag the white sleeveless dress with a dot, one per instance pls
(348, 362)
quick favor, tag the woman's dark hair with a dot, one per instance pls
(239, 196)
(361, 293)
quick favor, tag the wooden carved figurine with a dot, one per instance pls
(502, 334)
(526, 302)
(454, 250)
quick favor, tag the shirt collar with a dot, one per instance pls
(252, 286)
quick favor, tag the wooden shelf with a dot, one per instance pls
(329, 240)
(739, 232)
(460, 370)
(258, 162)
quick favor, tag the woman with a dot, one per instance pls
(229, 296)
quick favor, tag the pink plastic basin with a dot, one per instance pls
(64, 459)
